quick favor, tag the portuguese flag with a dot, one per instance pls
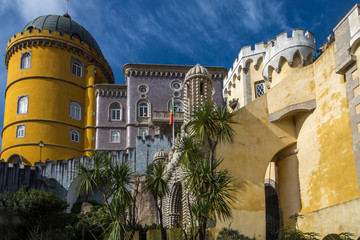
(171, 113)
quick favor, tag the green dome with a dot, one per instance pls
(63, 24)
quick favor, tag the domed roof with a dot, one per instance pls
(63, 24)
(197, 70)
(160, 155)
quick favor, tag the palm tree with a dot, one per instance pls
(210, 125)
(209, 188)
(156, 185)
(112, 180)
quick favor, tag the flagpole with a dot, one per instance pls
(173, 124)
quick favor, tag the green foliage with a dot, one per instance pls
(32, 214)
(293, 233)
(209, 187)
(230, 234)
(155, 182)
(76, 208)
(113, 180)
(156, 185)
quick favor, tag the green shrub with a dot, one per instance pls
(230, 234)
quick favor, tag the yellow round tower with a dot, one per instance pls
(49, 99)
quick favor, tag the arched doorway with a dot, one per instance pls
(176, 207)
(272, 213)
(15, 159)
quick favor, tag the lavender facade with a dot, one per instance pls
(140, 108)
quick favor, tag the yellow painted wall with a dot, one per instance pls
(256, 75)
(50, 87)
(247, 159)
(325, 160)
(325, 142)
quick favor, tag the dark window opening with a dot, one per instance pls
(201, 88)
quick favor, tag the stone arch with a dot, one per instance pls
(258, 63)
(176, 205)
(281, 63)
(332, 236)
(239, 70)
(297, 59)
(309, 58)
(229, 88)
(355, 46)
(248, 64)
(16, 159)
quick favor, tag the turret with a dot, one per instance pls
(198, 89)
(50, 100)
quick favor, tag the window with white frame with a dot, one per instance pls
(178, 105)
(259, 89)
(76, 67)
(25, 62)
(143, 133)
(115, 112)
(22, 104)
(20, 131)
(74, 135)
(75, 110)
(115, 136)
(143, 109)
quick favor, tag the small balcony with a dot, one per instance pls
(164, 116)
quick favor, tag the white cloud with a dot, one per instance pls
(29, 10)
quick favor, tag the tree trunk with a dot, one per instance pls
(202, 229)
(163, 231)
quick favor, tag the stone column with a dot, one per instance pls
(289, 185)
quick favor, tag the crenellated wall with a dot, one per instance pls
(258, 64)
(286, 47)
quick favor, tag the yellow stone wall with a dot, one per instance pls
(312, 150)
(48, 83)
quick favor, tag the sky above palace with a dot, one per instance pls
(185, 32)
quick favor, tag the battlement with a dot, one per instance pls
(271, 54)
(247, 54)
(36, 37)
(286, 47)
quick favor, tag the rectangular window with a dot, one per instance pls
(75, 110)
(25, 62)
(76, 67)
(259, 89)
(115, 137)
(20, 131)
(22, 104)
(74, 136)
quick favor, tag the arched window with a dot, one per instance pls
(75, 110)
(143, 109)
(115, 112)
(20, 131)
(143, 133)
(74, 135)
(76, 67)
(115, 136)
(178, 105)
(25, 62)
(22, 105)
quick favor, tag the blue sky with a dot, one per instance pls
(209, 32)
